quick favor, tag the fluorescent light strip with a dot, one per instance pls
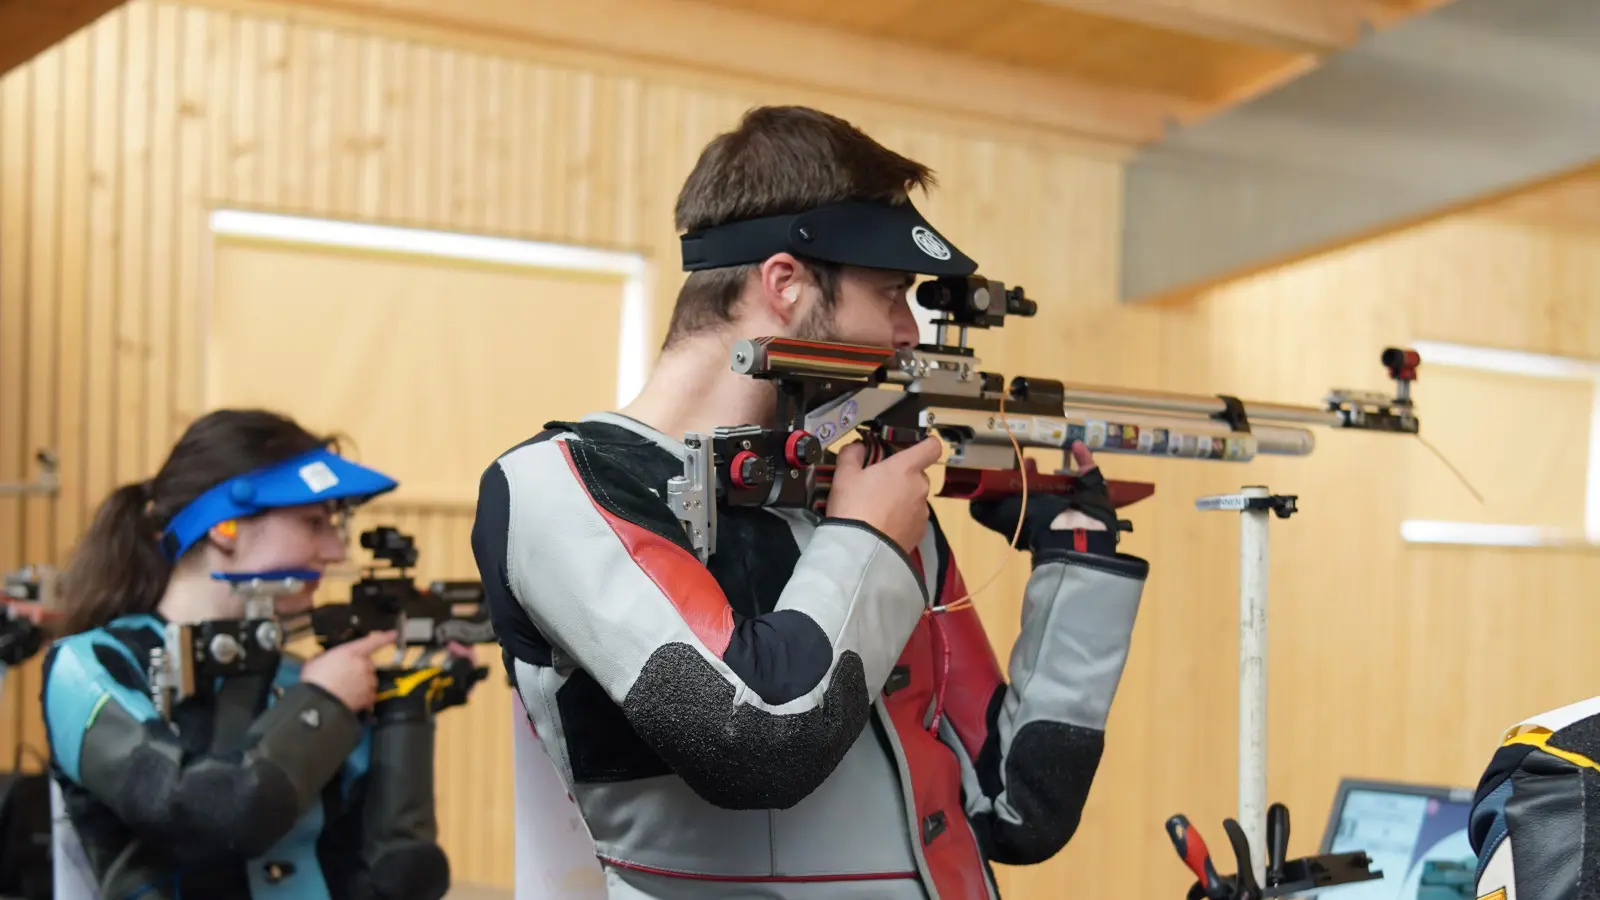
(633, 358)
(1480, 534)
(1509, 362)
(1528, 365)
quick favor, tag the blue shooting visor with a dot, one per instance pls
(315, 477)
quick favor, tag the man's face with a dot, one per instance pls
(872, 308)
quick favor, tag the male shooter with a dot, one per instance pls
(798, 717)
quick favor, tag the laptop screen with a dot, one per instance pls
(1402, 827)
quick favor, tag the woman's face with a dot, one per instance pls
(295, 537)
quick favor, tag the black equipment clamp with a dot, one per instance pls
(1284, 877)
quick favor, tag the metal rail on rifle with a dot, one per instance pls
(430, 617)
(895, 397)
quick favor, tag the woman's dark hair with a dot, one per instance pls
(118, 568)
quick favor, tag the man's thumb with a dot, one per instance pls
(850, 458)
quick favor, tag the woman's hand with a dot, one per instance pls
(347, 671)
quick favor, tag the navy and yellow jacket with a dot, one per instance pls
(272, 789)
(1535, 821)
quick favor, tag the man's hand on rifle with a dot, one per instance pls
(437, 686)
(891, 495)
(1085, 507)
(459, 676)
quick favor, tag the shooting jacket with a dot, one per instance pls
(1535, 821)
(270, 790)
(788, 720)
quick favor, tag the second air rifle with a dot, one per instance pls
(892, 398)
(428, 617)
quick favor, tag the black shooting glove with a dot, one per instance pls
(1087, 495)
(457, 680)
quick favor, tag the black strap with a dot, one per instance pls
(1233, 413)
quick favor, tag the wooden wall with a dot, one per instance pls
(1386, 661)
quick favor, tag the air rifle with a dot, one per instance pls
(893, 398)
(430, 618)
(29, 600)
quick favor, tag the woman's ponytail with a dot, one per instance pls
(117, 568)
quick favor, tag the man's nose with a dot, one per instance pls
(906, 331)
(333, 550)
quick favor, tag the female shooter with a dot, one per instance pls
(275, 784)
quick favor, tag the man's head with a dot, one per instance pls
(786, 161)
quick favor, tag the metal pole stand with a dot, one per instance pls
(1254, 503)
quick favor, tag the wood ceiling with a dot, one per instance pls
(1113, 69)
(29, 26)
(1201, 56)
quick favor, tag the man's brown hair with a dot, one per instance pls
(781, 160)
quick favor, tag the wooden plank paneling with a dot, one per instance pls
(112, 152)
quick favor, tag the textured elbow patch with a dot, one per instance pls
(1048, 774)
(242, 809)
(741, 757)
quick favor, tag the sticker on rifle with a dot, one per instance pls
(1238, 449)
(1095, 434)
(1052, 430)
(1127, 440)
(825, 432)
(1158, 440)
(1075, 433)
(1016, 426)
(847, 414)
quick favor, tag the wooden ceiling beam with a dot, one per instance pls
(28, 27)
(730, 42)
(1311, 27)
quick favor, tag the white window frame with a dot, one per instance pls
(1529, 365)
(633, 352)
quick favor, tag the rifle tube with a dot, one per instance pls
(1122, 431)
(1196, 405)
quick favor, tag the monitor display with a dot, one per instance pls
(1402, 827)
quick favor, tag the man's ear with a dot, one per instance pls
(782, 280)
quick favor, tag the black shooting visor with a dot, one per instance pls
(854, 233)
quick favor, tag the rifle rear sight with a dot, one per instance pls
(971, 301)
(390, 545)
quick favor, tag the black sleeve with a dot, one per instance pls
(400, 857)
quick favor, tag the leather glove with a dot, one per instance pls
(1088, 495)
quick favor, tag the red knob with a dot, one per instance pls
(802, 449)
(748, 470)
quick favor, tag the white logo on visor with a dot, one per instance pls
(929, 243)
(318, 477)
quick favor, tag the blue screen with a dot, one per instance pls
(1401, 832)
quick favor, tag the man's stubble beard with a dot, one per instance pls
(818, 325)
